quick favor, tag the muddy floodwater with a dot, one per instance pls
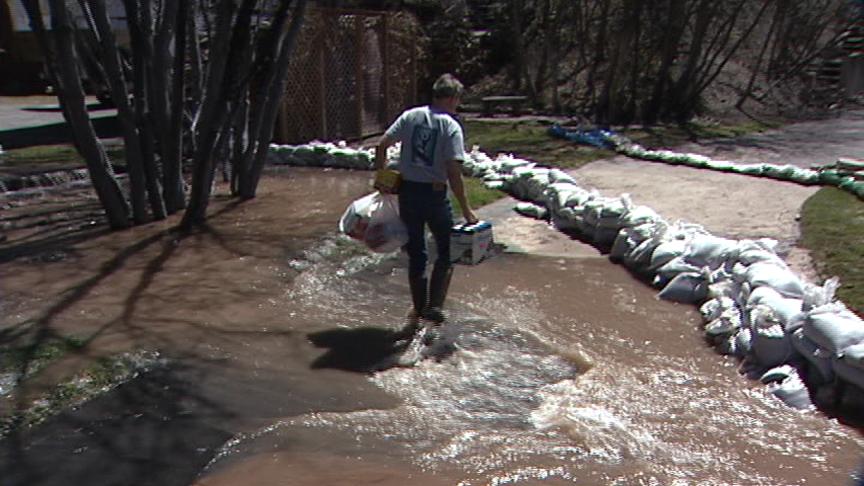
(277, 341)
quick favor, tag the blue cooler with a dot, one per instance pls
(470, 244)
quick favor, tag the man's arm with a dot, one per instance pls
(381, 151)
(454, 175)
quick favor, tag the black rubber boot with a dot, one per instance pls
(438, 286)
(418, 302)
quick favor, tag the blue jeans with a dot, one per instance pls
(422, 204)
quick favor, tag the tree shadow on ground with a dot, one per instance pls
(153, 430)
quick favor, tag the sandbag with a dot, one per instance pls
(727, 323)
(771, 345)
(776, 276)
(686, 288)
(674, 267)
(850, 366)
(715, 307)
(833, 327)
(817, 296)
(666, 251)
(785, 309)
(819, 360)
(708, 250)
(792, 391)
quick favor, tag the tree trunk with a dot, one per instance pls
(60, 51)
(117, 82)
(276, 83)
(671, 39)
(210, 117)
(172, 152)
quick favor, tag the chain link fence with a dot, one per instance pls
(351, 74)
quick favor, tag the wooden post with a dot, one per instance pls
(413, 47)
(359, 73)
(322, 80)
(385, 71)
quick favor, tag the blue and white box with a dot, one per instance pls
(470, 244)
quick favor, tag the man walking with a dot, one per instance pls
(431, 156)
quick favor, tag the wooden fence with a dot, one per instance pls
(351, 74)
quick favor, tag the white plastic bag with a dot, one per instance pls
(374, 220)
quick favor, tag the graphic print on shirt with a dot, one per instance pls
(423, 141)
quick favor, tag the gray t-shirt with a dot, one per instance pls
(430, 139)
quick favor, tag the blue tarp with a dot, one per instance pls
(595, 137)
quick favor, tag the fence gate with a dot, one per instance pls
(351, 73)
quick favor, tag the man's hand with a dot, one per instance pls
(470, 217)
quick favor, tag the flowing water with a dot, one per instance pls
(565, 371)
(550, 370)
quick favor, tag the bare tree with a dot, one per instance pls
(225, 93)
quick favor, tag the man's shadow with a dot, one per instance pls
(360, 350)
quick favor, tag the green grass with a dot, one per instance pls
(478, 196)
(832, 228)
(528, 139)
(34, 357)
(99, 377)
(666, 136)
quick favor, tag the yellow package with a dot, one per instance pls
(387, 180)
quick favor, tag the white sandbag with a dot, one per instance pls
(510, 164)
(776, 276)
(641, 255)
(819, 360)
(558, 193)
(666, 251)
(750, 256)
(771, 345)
(624, 243)
(777, 373)
(850, 366)
(497, 185)
(724, 287)
(600, 208)
(817, 296)
(579, 198)
(833, 327)
(725, 324)
(792, 391)
(713, 308)
(686, 288)
(784, 308)
(674, 267)
(567, 219)
(743, 341)
(531, 210)
(558, 175)
(708, 250)
(638, 215)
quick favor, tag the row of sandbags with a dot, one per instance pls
(830, 176)
(783, 172)
(752, 304)
(321, 154)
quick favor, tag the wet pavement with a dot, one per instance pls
(562, 367)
